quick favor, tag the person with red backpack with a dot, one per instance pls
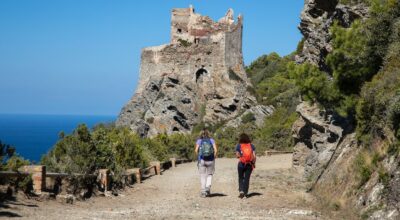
(206, 150)
(246, 153)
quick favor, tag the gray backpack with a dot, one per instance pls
(206, 149)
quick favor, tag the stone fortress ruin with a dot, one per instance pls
(198, 77)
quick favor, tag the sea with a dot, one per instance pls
(34, 135)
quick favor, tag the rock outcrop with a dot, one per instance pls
(317, 134)
(198, 77)
(317, 18)
(258, 114)
(358, 180)
(325, 153)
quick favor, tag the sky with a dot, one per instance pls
(81, 57)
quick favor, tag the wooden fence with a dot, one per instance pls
(39, 174)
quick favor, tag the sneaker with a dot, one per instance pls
(203, 194)
(208, 192)
(241, 195)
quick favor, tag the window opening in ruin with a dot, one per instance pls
(179, 31)
(196, 40)
(200, 72)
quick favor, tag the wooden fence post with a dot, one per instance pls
(104, 178)
(38, 176)
(157, 167)
(136, 172)
(173, 162)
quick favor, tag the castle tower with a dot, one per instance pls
(198, 77)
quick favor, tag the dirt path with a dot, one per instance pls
(276, 193)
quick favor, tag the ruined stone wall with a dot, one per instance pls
(198, 77)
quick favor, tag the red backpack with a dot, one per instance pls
(247, 153)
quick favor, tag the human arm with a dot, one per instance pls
(254, 153)
(237, 152)
(215, 150)
(196, 149)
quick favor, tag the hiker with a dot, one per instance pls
(206, 150)
(246, 153)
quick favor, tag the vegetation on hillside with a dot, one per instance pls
(363, 84)
(9, 159)
(117, 149)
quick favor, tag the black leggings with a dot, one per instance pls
(244, 172)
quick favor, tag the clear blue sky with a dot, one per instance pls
(82, 56)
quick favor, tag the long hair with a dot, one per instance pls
(244, 138)
(204, 134)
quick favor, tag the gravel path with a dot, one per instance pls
(276, 193)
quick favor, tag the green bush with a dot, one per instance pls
(248, 117)
(276, 131)
(15, 162)
(9, 159)
(178, 145)
(364, 170)
(272, 84)
(349, 61)
(105, 147)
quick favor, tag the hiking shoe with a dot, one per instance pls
(241, 195)
(208, 192)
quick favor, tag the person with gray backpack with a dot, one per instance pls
(206, 151)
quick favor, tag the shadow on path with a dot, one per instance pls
(6, 200)
(216, 195)
(8, 214)
(253, 194)
(22, 204)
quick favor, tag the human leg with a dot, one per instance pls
(241, 178)
(203, 177)
(246, 178)
(210, 166)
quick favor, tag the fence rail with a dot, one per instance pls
(39, 174)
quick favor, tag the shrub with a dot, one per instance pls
(315, 85)
(363, 168)
(349, 61)
(276, 131)
(105, 147)
(272, 84)
(9, 159)
(248, 117)
(377, 111)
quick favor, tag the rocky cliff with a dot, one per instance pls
(317, 135)
(358, 182)
(317, 18)
(327, 154)
(198, 77)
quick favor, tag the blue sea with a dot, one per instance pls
(34, 135)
